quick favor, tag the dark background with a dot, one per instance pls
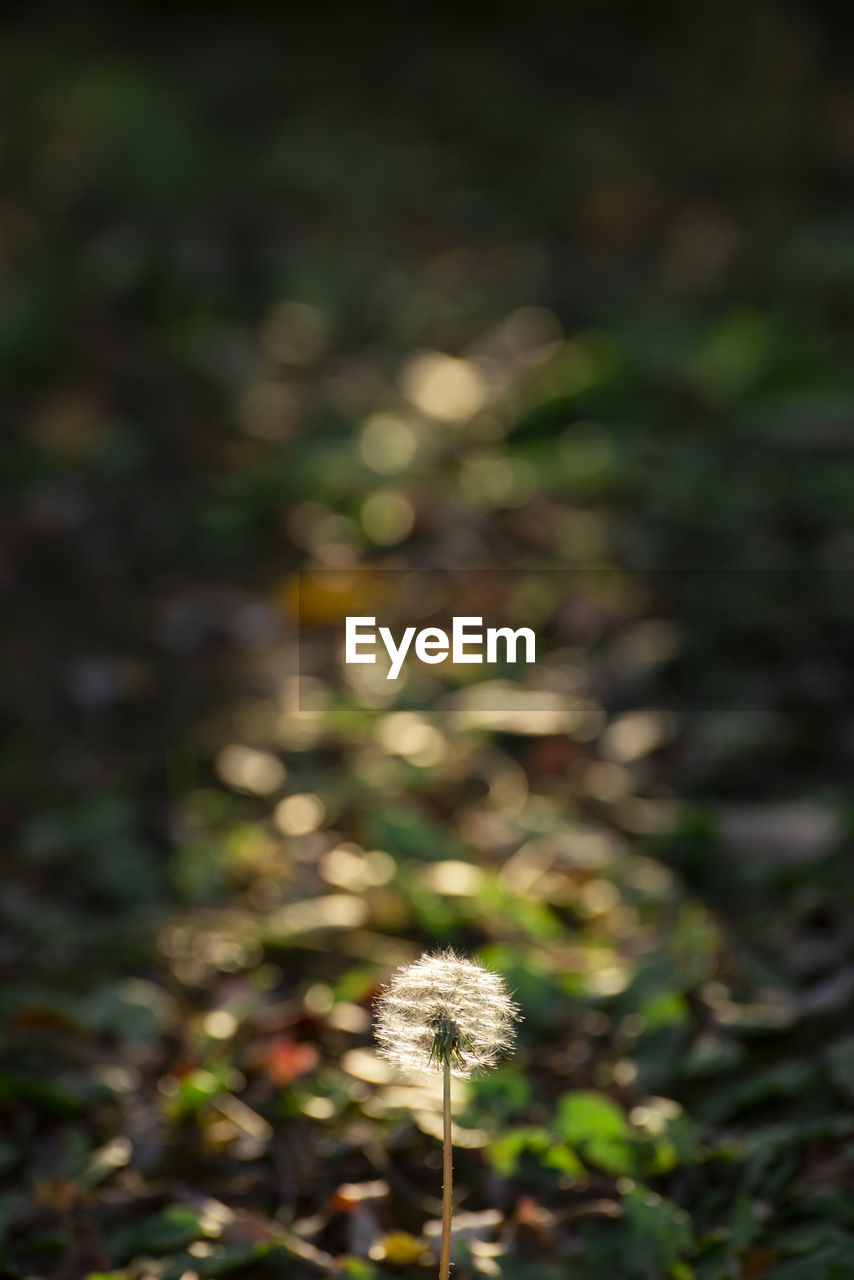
(226, 241)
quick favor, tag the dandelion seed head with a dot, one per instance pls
(443, 988)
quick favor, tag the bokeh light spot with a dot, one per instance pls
(443, 387)
(220, 1024)
(387, 517)
(387, 443)
(407, 734)
(298, 815)
(246, 769)
(635, 734)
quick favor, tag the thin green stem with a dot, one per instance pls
(447, 1186)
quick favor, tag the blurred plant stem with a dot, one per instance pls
(447, 1185)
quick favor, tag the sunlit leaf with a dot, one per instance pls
(598, 1129)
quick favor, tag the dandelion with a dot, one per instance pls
(445, 1013)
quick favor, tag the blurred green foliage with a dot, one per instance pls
(338, 291)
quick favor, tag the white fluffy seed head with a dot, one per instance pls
(440, 988)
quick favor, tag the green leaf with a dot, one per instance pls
(506, 1153)
(785, 1080)
(499, 1095)
(200, 1087)
(404, 832)
(666, 1009)
(46, 1097)
(174, 1228)
(746, 1225)
(595, 1126)
(661, 1232)
(813, 1236)
(359, 1269)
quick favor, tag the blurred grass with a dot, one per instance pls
(279, 293)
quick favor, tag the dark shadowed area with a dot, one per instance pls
(567, 294)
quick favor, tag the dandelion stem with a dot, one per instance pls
(445, 1013)
(447, 1186)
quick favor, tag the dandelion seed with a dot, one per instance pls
(445, 1013)
(444, 1007)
